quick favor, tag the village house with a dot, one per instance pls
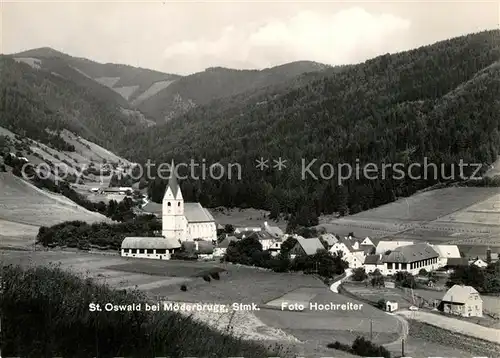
(351, 251)
(274, 231)
(149, 247)
(453, 263)
(306, 247)
(480, 263)
(221, 248)
(330, 239)
(246, 229)
(203, 249)
(367, 241)
(463, 301)
(445, 253)
(411, 258)
(383, 246)
(372, 263)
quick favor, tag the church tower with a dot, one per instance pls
(174, 223)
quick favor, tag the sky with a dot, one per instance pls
(184, 37)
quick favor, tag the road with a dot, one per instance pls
(335, 286)
(455, 325)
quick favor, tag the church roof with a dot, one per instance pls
(172, 181)
(150, 243)
(194, 212)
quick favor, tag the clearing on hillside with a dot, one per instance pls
(22, 202)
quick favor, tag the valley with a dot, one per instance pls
(85, 128)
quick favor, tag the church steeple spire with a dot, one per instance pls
(172, 181)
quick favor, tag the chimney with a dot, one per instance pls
(488, 255)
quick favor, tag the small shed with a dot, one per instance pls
(391, 306)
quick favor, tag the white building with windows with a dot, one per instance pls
(180, 222)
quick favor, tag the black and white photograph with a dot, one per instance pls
(249, 179)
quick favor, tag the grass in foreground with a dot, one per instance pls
(45, 312)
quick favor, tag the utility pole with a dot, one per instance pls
(403, 347)
(371, 330)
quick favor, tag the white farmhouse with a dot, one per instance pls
(463, 301)
(149, 247)
(372, 263)
(480, 263)
(351, 251)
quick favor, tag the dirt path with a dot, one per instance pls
(455, 325)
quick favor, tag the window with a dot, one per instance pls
(389, 266)
(160, 251)
(403, 266)
(149, 251)
(141, 251)
(169, 204)
(179, 203)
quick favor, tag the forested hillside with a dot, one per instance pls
(216, 83)
(439, 101)
(33, 100)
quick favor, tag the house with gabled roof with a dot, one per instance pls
(367, 241)
(306, 247)
(221, 248)
(410, 258)
(372, 263)
(463, 301)
(330, 239)
(351, 251)
(480, 263)
(275, 231)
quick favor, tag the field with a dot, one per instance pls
(24, 203)
(465, 216)
(429, 341)
(244, 217)
(237, 284)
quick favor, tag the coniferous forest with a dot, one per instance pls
(438, 103)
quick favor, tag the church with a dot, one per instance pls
(181, 222)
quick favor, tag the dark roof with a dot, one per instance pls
(224, 244)
(373, 260)
(457, 261)
(172, 181)
(204, 247)
(411, 253)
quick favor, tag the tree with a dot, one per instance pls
(422, 272)
(359, 274)
(405, 279)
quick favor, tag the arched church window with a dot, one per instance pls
(169, 204)
(179, 203)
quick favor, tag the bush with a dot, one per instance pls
(423, 272)
(215, 275)
(381, 304)
(359, 274)
(362, 347)
(206, 278)
(183, 288)
(45, 313)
